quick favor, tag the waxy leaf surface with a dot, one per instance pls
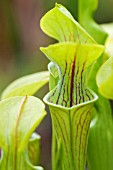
(100, 141)
(27, 85)
(60, 24)
(34, 149)
(72, 61)
(19, 118)
(71, 126)
(105, 79)
(109, 41)
(72, 57)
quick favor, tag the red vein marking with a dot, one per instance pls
(15, 132)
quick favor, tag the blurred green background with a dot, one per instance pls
(20, 39)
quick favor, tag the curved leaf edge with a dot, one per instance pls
(13, 88)
(46, 100)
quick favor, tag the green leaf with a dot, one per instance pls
(86, 11)
(105, 73)
(27, 85)
(19, 118)
(34, 149)
(105, 78)
(71, 126)
(60, 24)
(53, 70)
(61, 52)
(57, 151)
(100, 141)
(53, 78)
(109, 41)
(60, 100)
(72, 60)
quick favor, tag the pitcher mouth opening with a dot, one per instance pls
(47, 96)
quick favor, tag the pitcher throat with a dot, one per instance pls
(71, 89)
